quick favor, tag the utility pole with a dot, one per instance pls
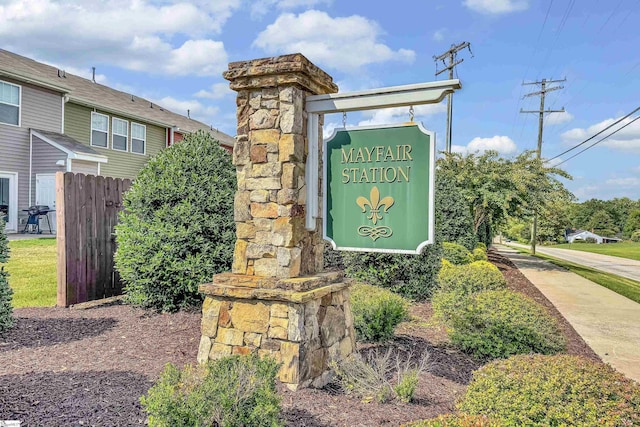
(542, 92)
(451, 56)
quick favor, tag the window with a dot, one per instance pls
(120, 137)
(99, 130)
(9, 104)
(138, 138)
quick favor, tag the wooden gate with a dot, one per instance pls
(87, 210)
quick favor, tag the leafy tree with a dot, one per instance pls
(6, 310)
(601, 223)
(496, 188)
(632, 223)
(177, 227)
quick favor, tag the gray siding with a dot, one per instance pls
(45, 157)
(40, 109)
(87, 168)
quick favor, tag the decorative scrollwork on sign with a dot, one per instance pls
(377, 208)
(375, 232)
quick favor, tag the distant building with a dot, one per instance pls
(51, 121)
(584, 235)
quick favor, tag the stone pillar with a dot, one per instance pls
(276, 300)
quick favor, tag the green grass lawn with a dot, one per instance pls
(620, 285)
(628, 250)
(32, 269)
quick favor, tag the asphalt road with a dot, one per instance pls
(609, 264)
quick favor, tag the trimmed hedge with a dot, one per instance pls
(7, 320)
(177, 228)
(234, 391)
(535, 390)
(497, 324)
(456, 254)
(469, 278)
(457, 420)
(376, 312)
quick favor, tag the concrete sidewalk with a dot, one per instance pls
(607, 321)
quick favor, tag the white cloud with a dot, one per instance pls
(624, 182)
(500, 143)
(438, 35)
(195, 109)
(627, 139)
(558, 118)
(387, 116)
(496, 7)
(343, 43)
(136, 35)
(217, 91)
(259, 8)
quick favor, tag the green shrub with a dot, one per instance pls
(177, 228)
(233, 391)
(635, 236)
(412, 276)
(495, 324)
(376, 312)
(479, 254)
(6, 293)
(481, 245)
(475, 277)
(457, 420)
(406, 386)
(456, 254)
(590, 240)
(535, 390)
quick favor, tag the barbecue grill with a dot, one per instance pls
(33, 222)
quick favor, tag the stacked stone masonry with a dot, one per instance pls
(275, 301)
(303, 331)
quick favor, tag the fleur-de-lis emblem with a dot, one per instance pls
(375, 205)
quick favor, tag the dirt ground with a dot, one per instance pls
(67, 367)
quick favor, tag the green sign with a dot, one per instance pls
(378, 194)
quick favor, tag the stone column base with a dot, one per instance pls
(302, 322)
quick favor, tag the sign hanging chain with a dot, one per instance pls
(344, 119)
(411, 115)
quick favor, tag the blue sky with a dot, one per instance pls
(174, 52)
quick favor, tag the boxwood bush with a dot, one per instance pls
(456, 254)
(469, 278)
(497, 324)
(234, 391)
(6, 294)
(376, 312)
(479, 254)
(457, 420)
(177, 229)
(562, 390)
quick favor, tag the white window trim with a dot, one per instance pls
(113, 132)
(13, 191)
(107, 132)
(145, 139)
(13, 105)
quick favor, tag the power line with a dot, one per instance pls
(597, 142)
(594, 135)
(451, 55)
(542, 92)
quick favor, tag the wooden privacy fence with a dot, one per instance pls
(87, 209)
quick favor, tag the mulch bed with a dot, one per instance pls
(69, 367)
